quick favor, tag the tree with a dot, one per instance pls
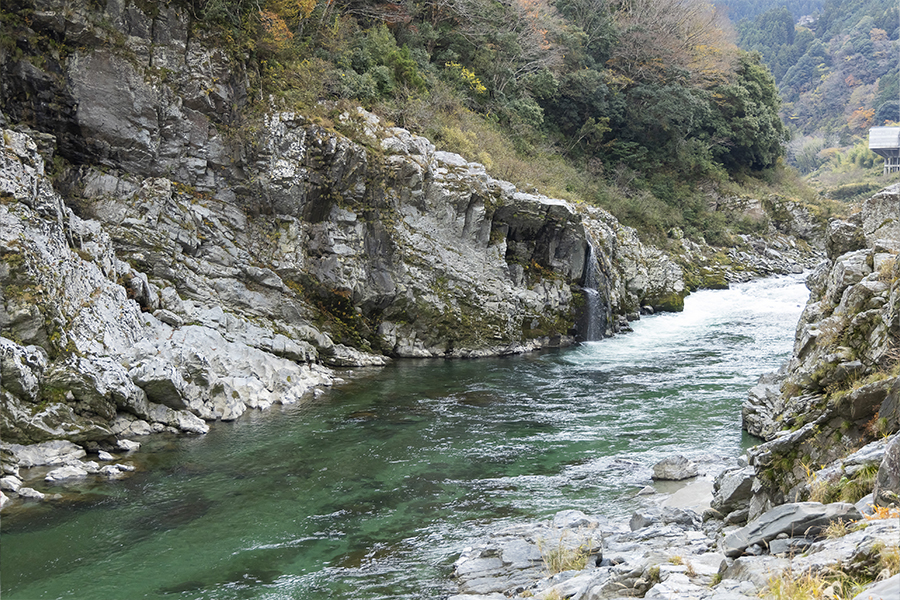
(509, 41)
(658, 36)
(746, 128)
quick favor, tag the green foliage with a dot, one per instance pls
(836, 72)
(587, 100)
(747, 122)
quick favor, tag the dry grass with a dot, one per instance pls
(560, 557)
(811, 586)
(886, 270)
(837, 529)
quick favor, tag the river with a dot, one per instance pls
(371, 490)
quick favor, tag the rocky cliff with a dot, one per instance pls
(841, 389)
(172, 253)
(183, 278)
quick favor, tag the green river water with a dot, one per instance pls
(372, 489)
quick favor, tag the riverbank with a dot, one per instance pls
(375, 487)
(678, 547)
(830, 420)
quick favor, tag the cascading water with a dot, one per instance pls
(594, 306)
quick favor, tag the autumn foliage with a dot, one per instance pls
(636, 91)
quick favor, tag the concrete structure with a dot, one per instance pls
(885, 142)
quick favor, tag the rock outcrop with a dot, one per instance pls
(183, 267)
(675, 556)
(186, 262)
(841, 389)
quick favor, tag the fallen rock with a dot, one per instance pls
(842, 237)
(128, 445)
(858, 550)
(789, 546)
(732, 490)
(803, 518)
(573, 519)
(674, 468)
(887, 481)
(111, 471)
(756, 569)
(10, 483)
(28, 493)
(889, 589)
(67, 472)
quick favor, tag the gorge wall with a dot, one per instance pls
(167, 260)
(833, 412)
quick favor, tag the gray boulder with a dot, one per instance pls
(880, 216)
(842, 237)
(674, 468)
(762, 406)
(732, 490)
(67, 472)
(889, 589)
(858, 550)
(756, 569)
(800, 518)
(56, 452)
(27, 493)
(887, 482)
(848, 269)
(21, 369)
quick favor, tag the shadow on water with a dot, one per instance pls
(172, 514)
(258, 567)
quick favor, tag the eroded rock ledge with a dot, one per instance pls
(678, 554)
(841, 388)
(188, 267)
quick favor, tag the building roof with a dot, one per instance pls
(887, 138)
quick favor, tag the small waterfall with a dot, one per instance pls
(594, 308)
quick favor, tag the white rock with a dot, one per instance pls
(128, 445)
(10, 483)
(55, 452)
(30, 494)
(889, 589)
(67, 472)
(103, 455)
(111, 471)
(674, 468)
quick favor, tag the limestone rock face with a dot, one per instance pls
(152, 112)
(838, 389)
(77, 364)
(159, 306)
(842, 237)
(887, 482)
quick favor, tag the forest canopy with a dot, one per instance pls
(836, 69)
(638, 106)
(649, 84)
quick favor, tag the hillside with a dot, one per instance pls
(836, 69)
(642, 108)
